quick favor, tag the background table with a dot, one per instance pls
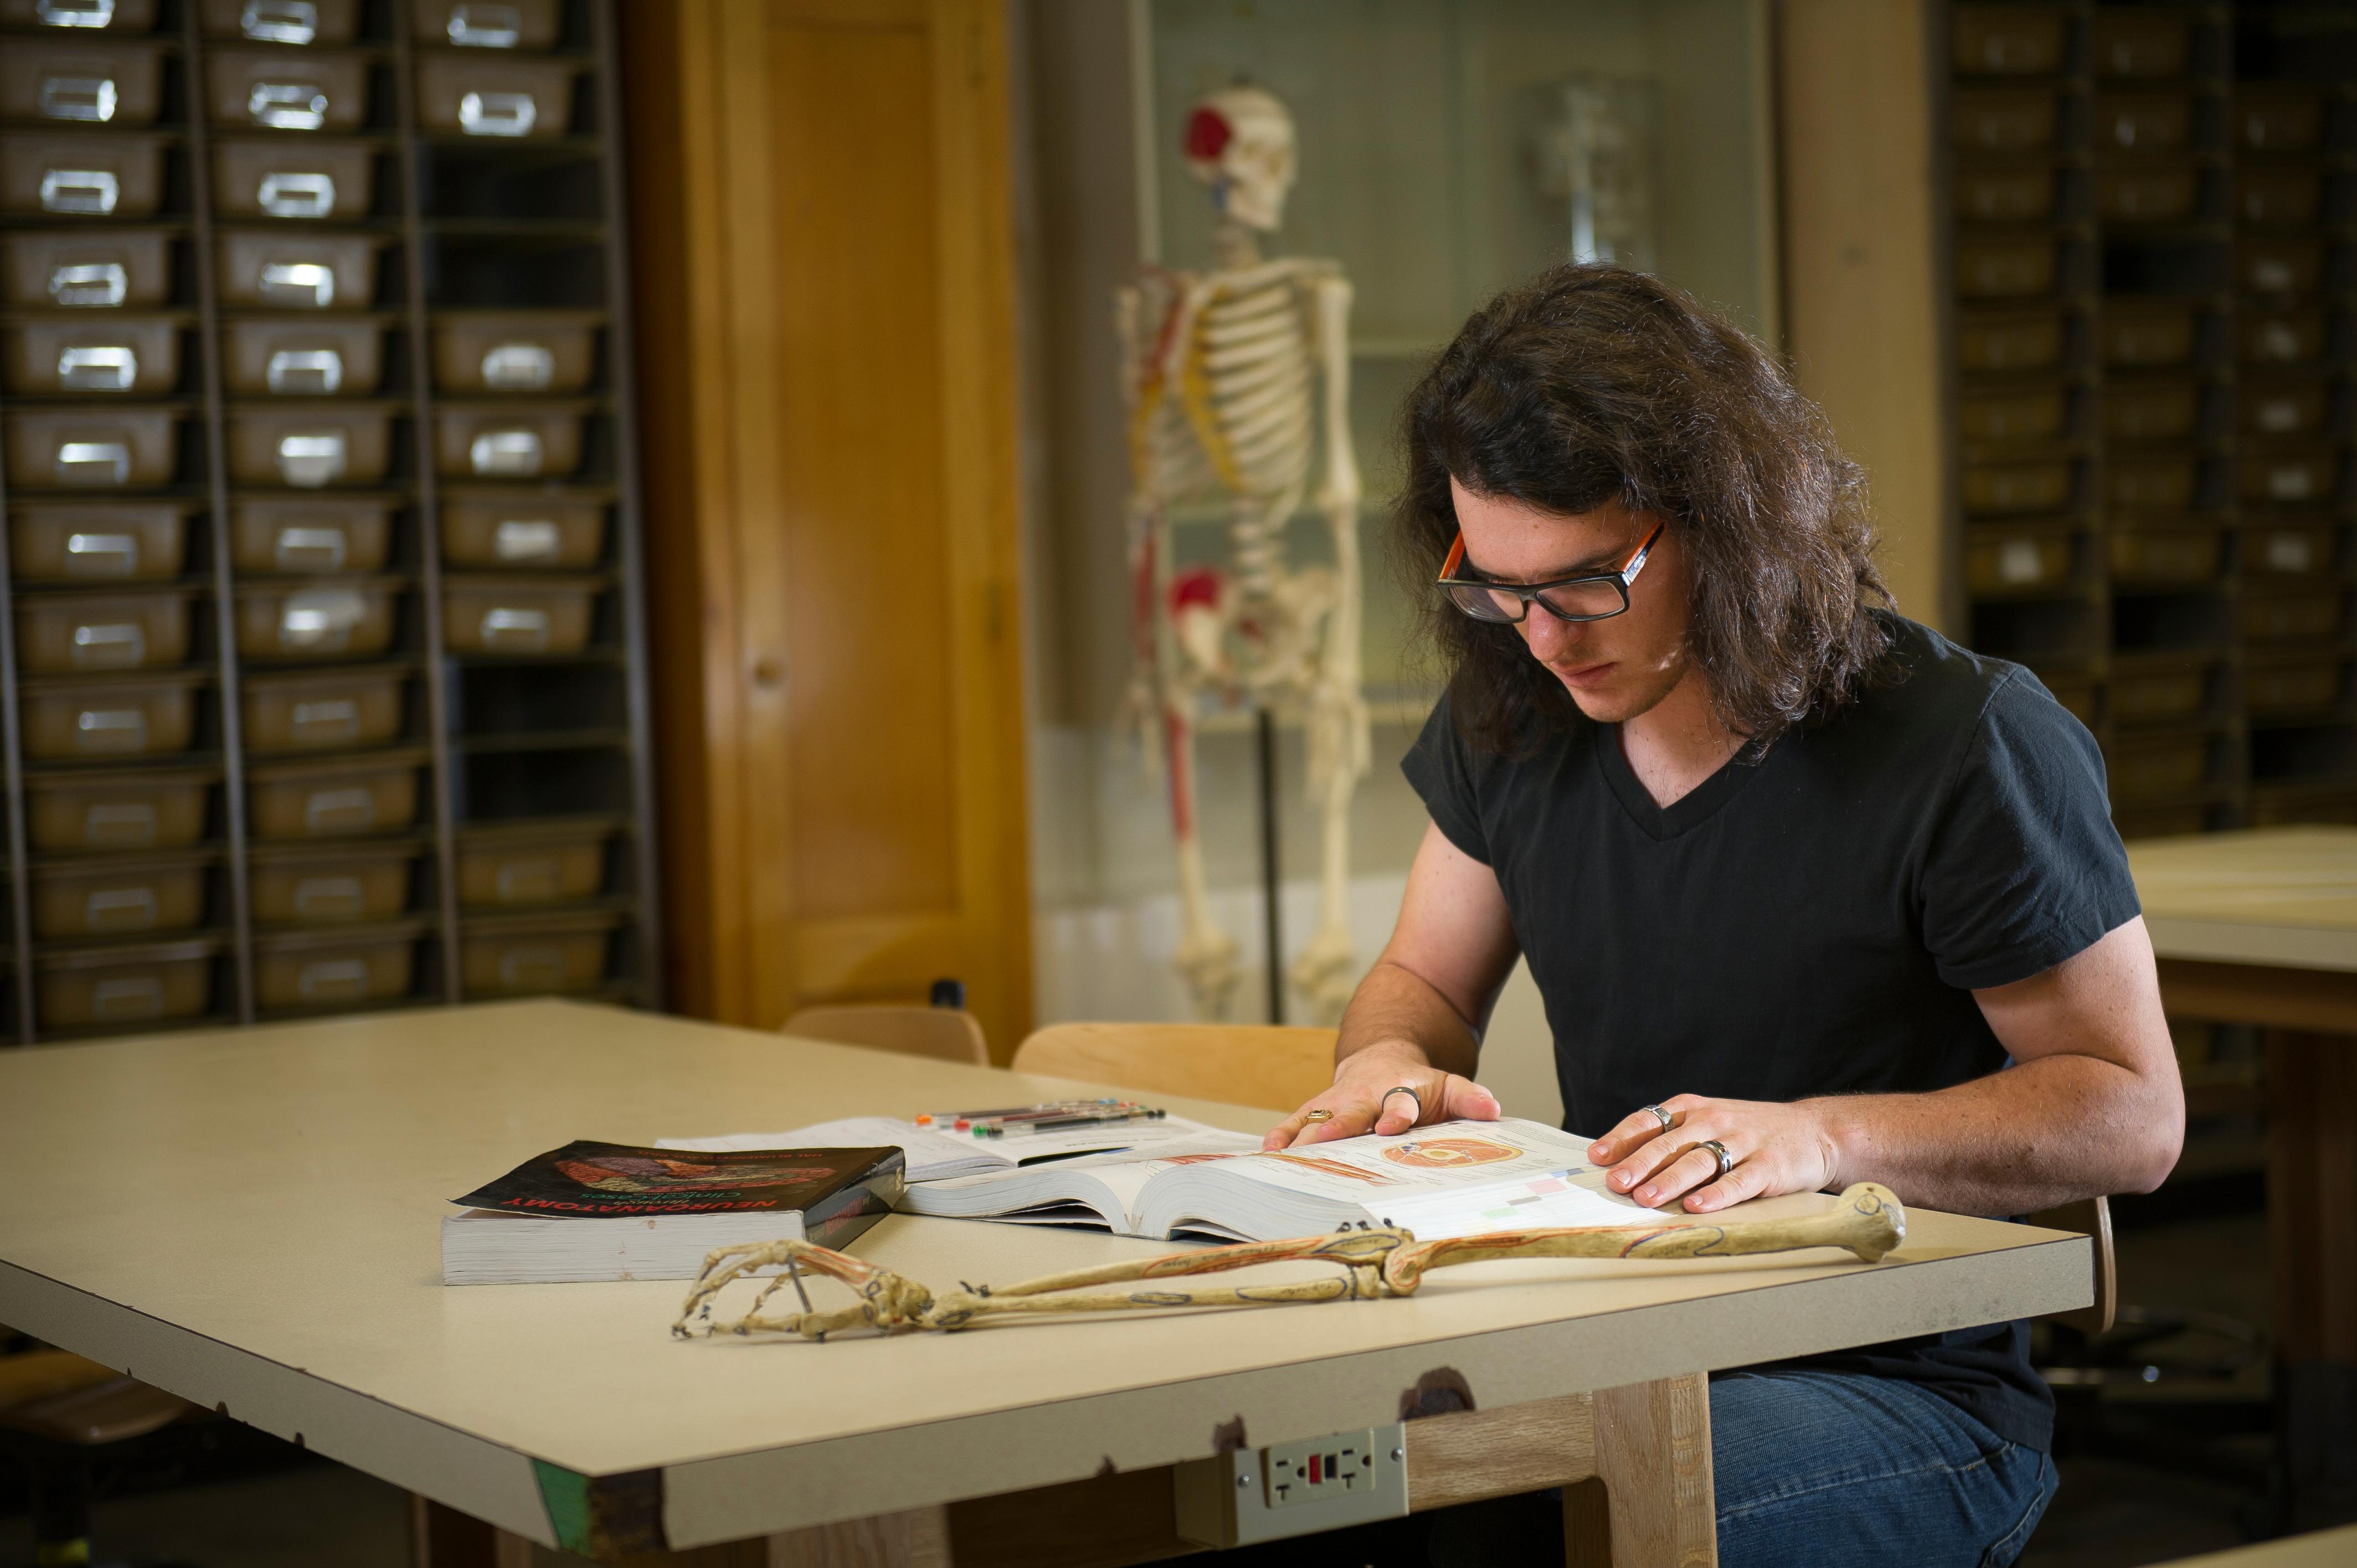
(248, 1218)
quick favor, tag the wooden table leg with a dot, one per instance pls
(442, 1537)
(1649, 1504)
(2312, 1220)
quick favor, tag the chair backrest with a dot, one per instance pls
(1264, 1065)
(946, 1034)
(2090, 1217)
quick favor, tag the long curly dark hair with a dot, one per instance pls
(1594, 383)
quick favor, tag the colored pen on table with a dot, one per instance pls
(1065, 1123)
(1050, 1108)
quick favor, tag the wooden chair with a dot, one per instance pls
(2091, 1216)
(945, 1034)
(59, 1417)
(1264, 1065)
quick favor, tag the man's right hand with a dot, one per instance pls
(1360, 1103)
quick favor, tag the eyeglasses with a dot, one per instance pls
(1569, 599)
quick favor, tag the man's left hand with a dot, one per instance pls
(1776, 1149)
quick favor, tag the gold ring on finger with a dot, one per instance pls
(1317, 1116)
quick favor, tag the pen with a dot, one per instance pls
(1053, 1107)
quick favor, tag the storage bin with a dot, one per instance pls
(2003, 269)
(2028, 414)
(296, 178)
(81, 176)
(2005, 195)
(2161, 822)
(470, 24)
(312, 885)
(57, 633)
(2282, 407)
(318, 358)
(2022, 559)
(2291, 476)
(280, 21)
(340, 620)
(2276, 120)
(2156, 767)
(313, 534)
(2131, 44)
(2289, 547)
(506, 865)
(2291, 616)
(103, 354)
(2277, 195)
(2013, 341)
(495, 96)
(83, 81)
(85, 269)
(535, 956)
(2280, 266)
(505, 531)
(2016, 487)
(2282, 336)
(477, 440)
(98, 15)
(279, 90)
(333, 710)
(512, 350)
(116, 898)
(118, 986)
(2161, 689)
(2143, 121)
(153, 716)
(2007, 40)
(309, 447)
(109, 449)
(2284, 807)
(75, 541)
(519, 615)
(2166, 552)
(2138, 336)
(114, 810)
(344, 799)
(2165, 194)
(277, 271)
(300, 969)
(2279, 687)
(2151, 410)
(2074, 688)
(2163, 482)
(2004, 120)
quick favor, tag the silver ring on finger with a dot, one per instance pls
(1666, 1120)
(1719, 1152)
(1412, 1094)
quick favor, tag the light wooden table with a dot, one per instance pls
(2261, 928)
(248, 1218)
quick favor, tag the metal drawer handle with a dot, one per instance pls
(514, 454)
(87, 98)
(333, 979)
(111, 729)
(93, 462)
(2291, 482)
(75, 13)
(287, 105)
(473, 27)
(339, 810)
(2279, 415)
(120, 909)
(305, 371)
(109, 369)
(80, 190)
(309, 549)
(128, 996)
(130, 825)
(326, 897)
(279, 21)
(526, 539)
(523, 629)
(497, 113)
(319, 620)
(335, 719)
(307, 284)
(2287, 552)
(113, 647)
(529, 881)
(312, 460)
(518, 367)
(297, 194)
(520, 967)
(102, 554)
(88, 284)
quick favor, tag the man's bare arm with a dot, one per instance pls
(1414, 1020)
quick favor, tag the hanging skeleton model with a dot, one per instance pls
(1236, 378)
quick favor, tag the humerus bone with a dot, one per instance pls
(1868, 1222)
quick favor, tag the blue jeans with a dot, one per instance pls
(1837, 1469)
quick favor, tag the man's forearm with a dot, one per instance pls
(2044, 1132)
(1394, 1005)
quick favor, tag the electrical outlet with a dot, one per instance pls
(1294, 1488)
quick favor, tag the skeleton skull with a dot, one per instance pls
(1240, 143)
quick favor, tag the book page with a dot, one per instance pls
(1454, 1178)
(936, 1155)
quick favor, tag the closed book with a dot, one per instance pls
(618, 1211)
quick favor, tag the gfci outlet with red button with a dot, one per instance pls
(1294, 1488)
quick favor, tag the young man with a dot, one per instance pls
(1813, 895)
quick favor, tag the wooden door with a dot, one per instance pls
(821, 206)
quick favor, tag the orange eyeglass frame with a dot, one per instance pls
(1626, 577)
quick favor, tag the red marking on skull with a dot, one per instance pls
(1208, 134)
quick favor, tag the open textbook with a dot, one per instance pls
(935, 1156)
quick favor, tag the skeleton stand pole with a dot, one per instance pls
(1272, 866)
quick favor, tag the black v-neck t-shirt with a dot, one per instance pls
(1813, 923)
